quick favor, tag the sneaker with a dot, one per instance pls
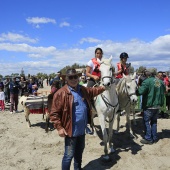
(155, 141)
(16, 111)
(144, 141)
(11, 112)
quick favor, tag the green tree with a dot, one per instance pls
(140, 69)
(75, 65)
(131, 69)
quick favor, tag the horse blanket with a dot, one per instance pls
(37, 104)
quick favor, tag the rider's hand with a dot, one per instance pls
(96, 78)
(62, 133)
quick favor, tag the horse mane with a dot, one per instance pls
(105, 61)
(121, 84)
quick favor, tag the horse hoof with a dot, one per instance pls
(112, 150)
(101, 143)
(116, 132)
(105, 158)
(132, 136)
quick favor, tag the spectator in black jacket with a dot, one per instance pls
(14, 91)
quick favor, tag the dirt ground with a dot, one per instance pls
(23, 148)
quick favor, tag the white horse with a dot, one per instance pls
(126, 90)
(106, 104)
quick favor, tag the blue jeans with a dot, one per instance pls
(74, 147)
(150, 123)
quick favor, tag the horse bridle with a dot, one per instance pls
(129, 95)
(106, 101)
(110, 77)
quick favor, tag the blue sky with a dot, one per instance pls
(46, 35)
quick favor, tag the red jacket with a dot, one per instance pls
(96, 71)
(125, 70)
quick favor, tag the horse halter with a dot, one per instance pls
(109, 76)
(131, 94)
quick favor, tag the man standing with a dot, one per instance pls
(70, 113)
(153, 90)
(14, 91)
(57, 77)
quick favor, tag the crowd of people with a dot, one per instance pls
(12, 88)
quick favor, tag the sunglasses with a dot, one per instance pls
(72, 77)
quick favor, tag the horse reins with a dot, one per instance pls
(129, 95)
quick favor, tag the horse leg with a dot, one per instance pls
(134, 119)
(118, 122)
(105, 136)
(27, 113)
(112, 150)
(43, 117)
(92, 125)
(47, 122)
(128, 122)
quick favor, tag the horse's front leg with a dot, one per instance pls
(118, 122)
(111, 121)
(133, 112)
(47, 122)
(27, 113)
(105, 136)
(92, 125)
(128, 122)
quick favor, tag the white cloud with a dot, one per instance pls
(42, 51)
(13, 37)
(50, 59)
(64, 24)
(40, 20)
(89, 40)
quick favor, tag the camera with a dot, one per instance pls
(128, 65)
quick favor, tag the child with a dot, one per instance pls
(55, 86)
(34, 89)
(2, 99)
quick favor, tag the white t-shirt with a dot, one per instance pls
(91, 64)
(2, 95)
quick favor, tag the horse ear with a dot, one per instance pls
(134, 75)
(99, 61)
(124, 76)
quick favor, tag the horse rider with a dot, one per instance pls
(92, 69)
(122, 66)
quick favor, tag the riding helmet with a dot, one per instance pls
(124, 55)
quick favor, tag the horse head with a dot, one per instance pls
(130, 87)
(106, 70)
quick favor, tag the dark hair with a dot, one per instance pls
(99, 50)
(56, 83)
(24, 78)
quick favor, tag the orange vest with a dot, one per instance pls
(96, 71)
(125, 70)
